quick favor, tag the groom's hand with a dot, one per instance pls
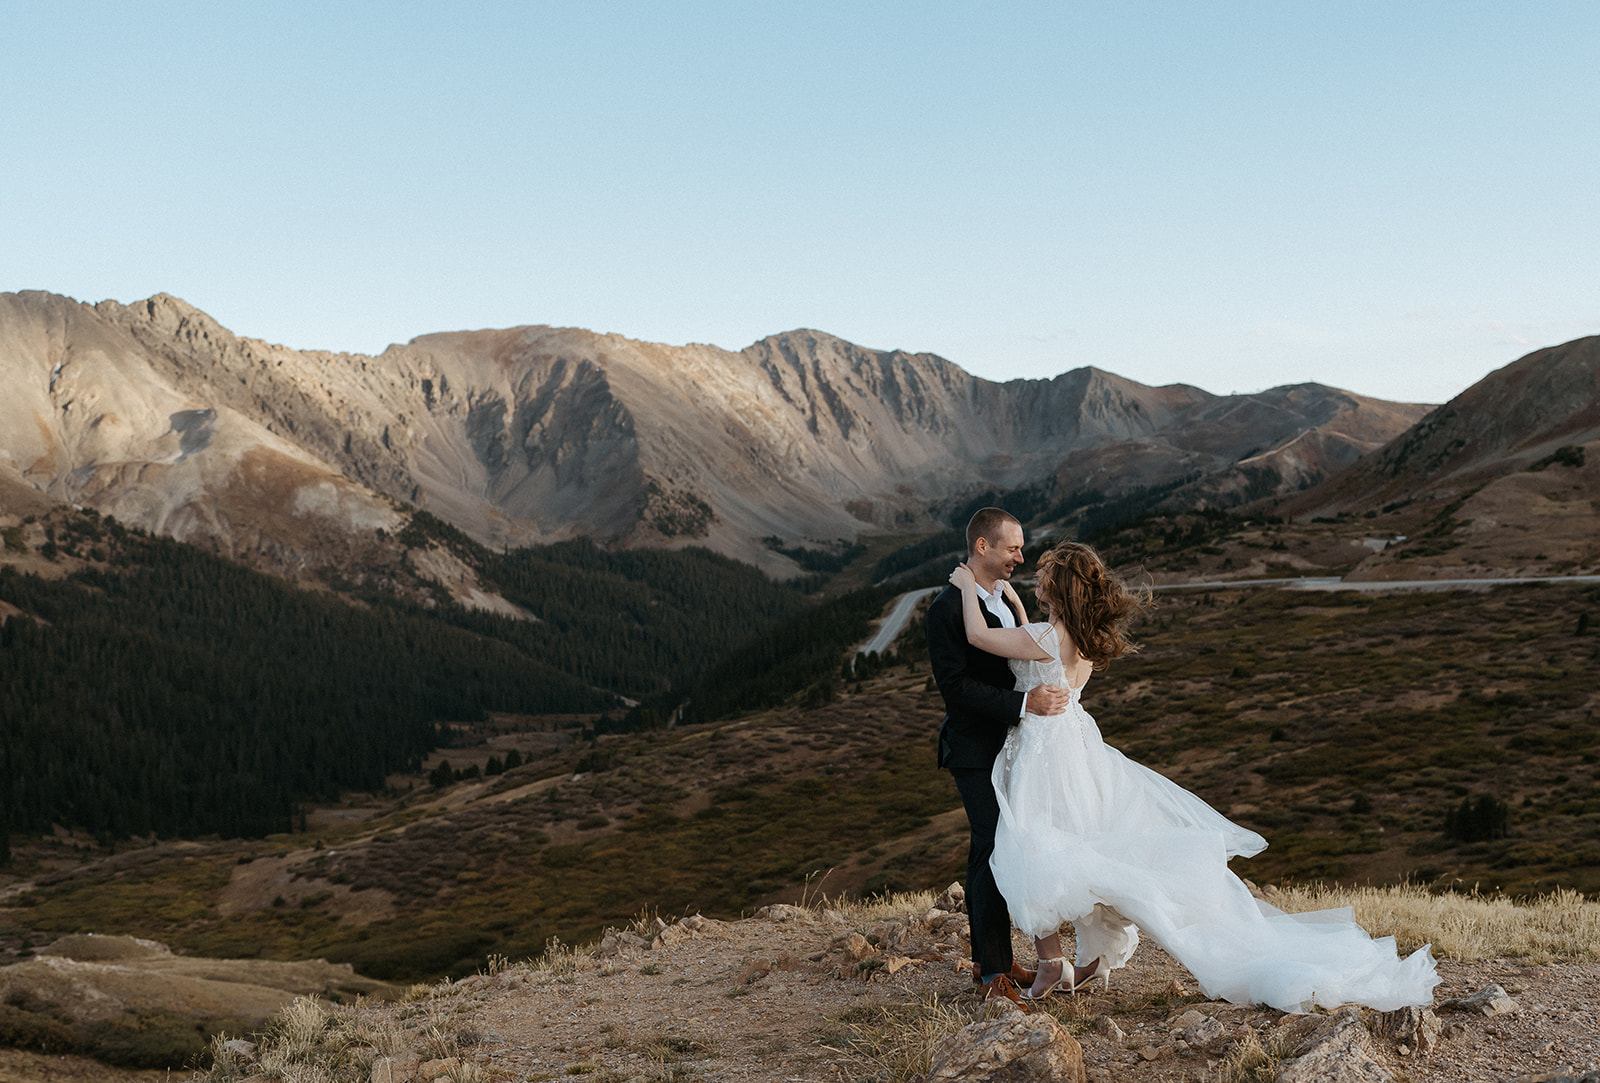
(1047, 699)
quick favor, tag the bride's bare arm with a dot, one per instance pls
(1005, 642)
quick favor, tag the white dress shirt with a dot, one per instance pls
(996, 604)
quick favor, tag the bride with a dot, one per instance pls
(1088, 836)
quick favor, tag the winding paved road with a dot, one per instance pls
(890, 629)
(1335, 583)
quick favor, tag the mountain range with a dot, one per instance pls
(291, 460)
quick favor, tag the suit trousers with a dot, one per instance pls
(987, 913)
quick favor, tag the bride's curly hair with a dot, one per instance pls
(1091, 600)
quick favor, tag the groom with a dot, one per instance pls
(981, 706)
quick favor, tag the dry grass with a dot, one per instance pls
(559, 958)
(313, 1042)
(1559, 927)
(877, 907)
(1252, 1060)
(900, 1040)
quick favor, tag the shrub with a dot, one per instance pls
(1478, 819)
(23, 1029)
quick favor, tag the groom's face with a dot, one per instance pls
(999, 556)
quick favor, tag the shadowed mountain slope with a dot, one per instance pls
(1503, 479)
(1503, 423)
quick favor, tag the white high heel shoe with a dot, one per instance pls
(1097, 969)
(1069, 980)
(1066, 976)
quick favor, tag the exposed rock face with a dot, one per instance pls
(1016, 1048)
(157, 414)
(92, 415)
(1336, 1048)
(1245, 447)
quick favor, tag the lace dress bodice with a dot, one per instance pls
(1031, 674)
(1050, 737)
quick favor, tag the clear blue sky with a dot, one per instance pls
(1390, 197)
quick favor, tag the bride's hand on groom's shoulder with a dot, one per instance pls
(962, 578)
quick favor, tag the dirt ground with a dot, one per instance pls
(781, 1000)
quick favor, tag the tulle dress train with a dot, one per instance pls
(1086, 835)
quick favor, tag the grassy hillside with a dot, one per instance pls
(716, 818)
(1349, 728)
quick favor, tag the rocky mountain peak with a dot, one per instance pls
(536, 433)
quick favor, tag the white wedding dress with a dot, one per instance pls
(1088, 836)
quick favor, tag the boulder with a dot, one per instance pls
(1206, 1033)
(1413, 1027)
(1333, 1048)
(439, 1068)
(1107, 1027)
(953, 899)
(784, 912)
(1015, 1048)
(1488, 1002)
(896, 935)
(684, 928)
(396, 1069)
(856, 947)
(615, 942)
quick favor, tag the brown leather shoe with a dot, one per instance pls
(1017, 974)
(1003, 988)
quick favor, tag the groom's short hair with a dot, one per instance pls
(986, 524)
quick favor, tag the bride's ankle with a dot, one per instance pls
(1049, 972)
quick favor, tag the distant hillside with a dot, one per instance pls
(1503, 423)
(295, 460)
(1503, 479)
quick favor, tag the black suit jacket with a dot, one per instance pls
(980, 698)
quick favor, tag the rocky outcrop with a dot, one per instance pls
(1334, 1048)
(1016, 1048)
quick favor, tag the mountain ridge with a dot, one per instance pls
(155, 412)
(1502, 479)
